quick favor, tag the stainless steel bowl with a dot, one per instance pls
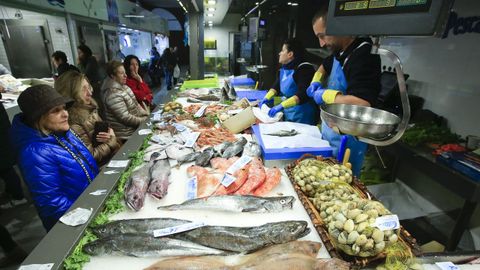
(359, 120)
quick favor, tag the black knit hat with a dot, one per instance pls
(39, 99)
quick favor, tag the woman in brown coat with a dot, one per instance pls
(83, 115)
(122, 110)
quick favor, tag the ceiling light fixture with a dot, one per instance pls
(210, 9)
(210, 22)
(133, 16)
(183, 7)
(211, 2)
(294, 4)
(209, 14)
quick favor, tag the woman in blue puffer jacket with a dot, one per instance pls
(55, 164)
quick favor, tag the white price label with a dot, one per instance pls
(232, 112)
(240, 163)
(192, 139)
(228, 179)
(192, 188)
(447, 266)
(179, 127)
(177, 229)
(157, 116)
(144, 131)
(77, 216)
(47, 266)
(200, 111)
(111, 172)
(118, 163)
(99, 192)
(389, 222)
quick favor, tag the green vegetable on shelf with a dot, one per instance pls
(429, 132)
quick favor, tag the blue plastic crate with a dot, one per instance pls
(289, 153)
(457, 162)
(251, 95)
(242, 82)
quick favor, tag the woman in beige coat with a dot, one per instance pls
(122, 110)
(83, 116)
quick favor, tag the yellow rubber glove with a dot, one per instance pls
(290, 102)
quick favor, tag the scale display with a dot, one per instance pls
(370, 7)
(387, 17)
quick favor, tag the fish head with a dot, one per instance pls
(97, 247)
(102, 230)
(286, 231)
(277, 204)
(134, 198)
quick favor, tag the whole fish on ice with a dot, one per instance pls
(235, 204)
(143, 245)
(136, 187)
(160, 174)
(235, 149)
(284, 133)
(177, 151)
(147, 226)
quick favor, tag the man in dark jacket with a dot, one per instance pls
(59, 60)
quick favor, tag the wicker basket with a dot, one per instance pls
(321, 228)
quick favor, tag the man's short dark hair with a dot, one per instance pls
(321, 13)
(59, 55)
(295, 45)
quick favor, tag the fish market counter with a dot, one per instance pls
(61, 241)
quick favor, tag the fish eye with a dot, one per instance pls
(282, 201)
(103, 230)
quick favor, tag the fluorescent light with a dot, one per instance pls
(210, 9)
(289, 3)
(209, 14)
(256, 3)
(133, 16)
(211, 2)
(210, 22)
(294, 4)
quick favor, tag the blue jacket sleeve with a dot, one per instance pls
(44, 180)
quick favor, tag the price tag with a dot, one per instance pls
(177, 229)
(240, 163)
(145, 131)
(157, 116)
(200, 111)
(192, 138)
(228, 179)
(389, 222)
(77, 216)
(111, 172)
(47, 266)
(99, 192)
(447, 266)
(118, 163)
(192, 188)
(179, 127)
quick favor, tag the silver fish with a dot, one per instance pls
(143, 245)
(252, 149)
(284, 133)
(160, 173)
(188, 158)
(161, 155)
(246, 239)
(234, 149)
(146, 226)
(232, 203)
(136, 188)
(177, 151)
(220, 148)
(204, 158)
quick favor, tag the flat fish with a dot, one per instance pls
(256, 177)
(147, 226)
(231, 203)
(143, 245)
(284, 133)
(234, 149)
(136, 188)
(274, 175)
(220, 148)
(307, 248)
(204, 158)
(160, 174)
(176, 151)
(252, 149)
(246, 239)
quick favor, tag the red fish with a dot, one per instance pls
(256, 177)
(273, 178)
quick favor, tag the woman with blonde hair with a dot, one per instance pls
(84, 116)
(122, 110)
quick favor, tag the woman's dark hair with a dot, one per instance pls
(85, 49)
(126, 64)
(294, 45)
(59, 55)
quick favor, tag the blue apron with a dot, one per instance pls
(338, 82)
(306, 113)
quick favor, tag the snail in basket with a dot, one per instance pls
(333, 191)
(310, 173)
(351, 226)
